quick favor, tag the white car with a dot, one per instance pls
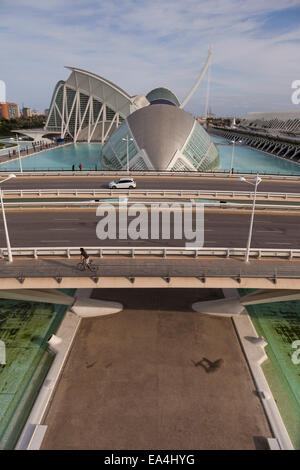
(122, 183)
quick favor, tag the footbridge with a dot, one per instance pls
(138, 267)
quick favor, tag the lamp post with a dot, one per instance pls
(20, 161)
(10, 258)
(127, 139)
(257, 181)
(232, 155)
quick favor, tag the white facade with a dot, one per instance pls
(282, 121)
(89, 108)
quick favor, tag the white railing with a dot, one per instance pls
(95, 203)
(147, 192)
(171, 174)
(164, 252)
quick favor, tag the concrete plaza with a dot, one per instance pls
(143, 379)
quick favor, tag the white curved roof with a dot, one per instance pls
(107, 92)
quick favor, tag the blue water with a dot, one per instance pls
(60, 159)
(247, 160)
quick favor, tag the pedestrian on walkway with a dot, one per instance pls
(73, 167)
(80, 166)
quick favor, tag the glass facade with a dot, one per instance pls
(114, 152)
(78, 115)
(200, 150)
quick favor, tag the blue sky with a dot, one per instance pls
(142, 44)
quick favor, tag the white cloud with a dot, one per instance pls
(140, 45)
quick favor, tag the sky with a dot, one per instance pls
(143, 44)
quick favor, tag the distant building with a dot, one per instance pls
(13, 110)
(153, 130)
(3, 111)
(46, 112)
(9, 110)
(273, 122)
(27, 112)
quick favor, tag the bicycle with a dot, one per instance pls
(83, 266)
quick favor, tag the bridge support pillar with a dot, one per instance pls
(262, 296)
(51, 296)
(233, 305)
(95, 308)
(81, 305)
(223, 307)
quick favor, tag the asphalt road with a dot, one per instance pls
(78, 228)
(146, 182)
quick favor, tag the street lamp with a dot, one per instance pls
(127, 139)
(4, 219)
(257, 181)
(232, 155)
(20, 161)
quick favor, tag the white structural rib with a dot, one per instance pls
(187, 99)
(207, 94)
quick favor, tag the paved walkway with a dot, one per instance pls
(152, 266)
(25, 152)
(142, 379)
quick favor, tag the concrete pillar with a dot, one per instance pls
(263, 296)
(51, 296)
(233, 305)
(81, 306)
(221, 307)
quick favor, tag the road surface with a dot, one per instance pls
(147, 182)
(70, 227)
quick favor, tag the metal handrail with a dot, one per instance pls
(147, 192)
(149, 251)
(174, 174)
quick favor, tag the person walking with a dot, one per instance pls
(73, 167)
(80, 166)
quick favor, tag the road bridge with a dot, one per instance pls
(13, 195)
(45, 246)
(201, 181)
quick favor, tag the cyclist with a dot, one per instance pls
(85, 259)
